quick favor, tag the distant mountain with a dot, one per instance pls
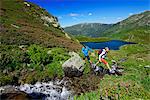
(135, 28)
(134, 21)
(120, 30)
(24, 23)
(87, 29)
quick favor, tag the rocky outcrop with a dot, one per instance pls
(27, 4)
(67, 36)
(73, 66)
(50, 21)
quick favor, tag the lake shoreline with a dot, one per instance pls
(112, 44)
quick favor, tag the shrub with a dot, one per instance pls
(5, 79)
(12, 57)
(88, 96)
(39, 56)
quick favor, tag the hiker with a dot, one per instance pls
(102, 54)
(85, 51)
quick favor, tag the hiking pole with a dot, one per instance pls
(111, 57)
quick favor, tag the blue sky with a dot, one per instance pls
(70, 12)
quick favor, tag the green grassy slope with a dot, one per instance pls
(134, 25)
(133, 84)
(31, 48)
(89, 39)
(23, 25)
(138, 35)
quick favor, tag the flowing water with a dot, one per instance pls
(53, 90)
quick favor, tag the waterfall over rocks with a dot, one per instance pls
(46, 91)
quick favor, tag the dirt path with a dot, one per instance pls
(85, 83)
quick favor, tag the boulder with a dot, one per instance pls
(73, 66)
(27, 4)
(147, 66)
(67, 36)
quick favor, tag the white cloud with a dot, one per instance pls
(59, 17)
(90, 14)
(130, 14)
(73, 14)
(104, 17)
(119, 18)
(74, 18)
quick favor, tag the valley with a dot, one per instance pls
(35, 49)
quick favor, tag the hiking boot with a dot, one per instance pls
(93, 66)
(111, 71)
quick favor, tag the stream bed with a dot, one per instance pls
(52, 90)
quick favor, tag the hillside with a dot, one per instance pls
(24, 23)
(87, 29)
(136, 28)
(134, 21)
(33, 44)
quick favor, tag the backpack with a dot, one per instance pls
(99, 51)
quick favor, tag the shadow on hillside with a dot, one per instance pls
(88, 82)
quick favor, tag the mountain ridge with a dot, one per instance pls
(87, 29)
(133, 21)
